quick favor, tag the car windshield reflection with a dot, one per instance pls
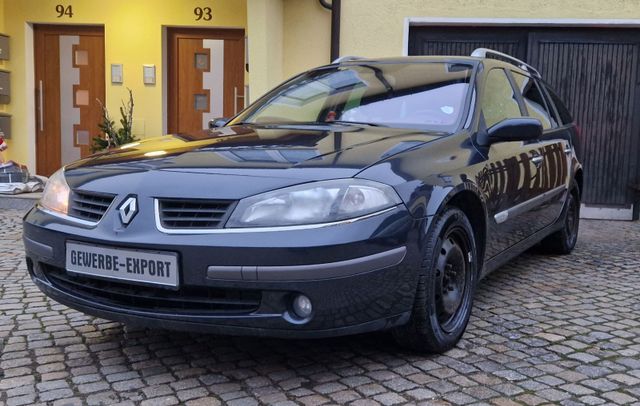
(428, 96)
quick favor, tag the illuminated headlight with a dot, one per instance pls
(313, 203)
(56, 193)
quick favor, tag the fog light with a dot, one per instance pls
(302, 306)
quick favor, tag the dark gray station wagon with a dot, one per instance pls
(363, 195)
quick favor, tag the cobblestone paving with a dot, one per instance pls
(544, 330)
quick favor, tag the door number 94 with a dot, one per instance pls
(63, 10)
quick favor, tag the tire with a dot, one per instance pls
(446, 285)
(564, 240)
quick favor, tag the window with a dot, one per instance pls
(440, 106)
(565, 116)
(499, 99)
(556, 121)
(428, 96)
(533, 100)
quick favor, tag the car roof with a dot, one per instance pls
(471, 60)
(354, 60)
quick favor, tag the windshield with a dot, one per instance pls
(408, 95)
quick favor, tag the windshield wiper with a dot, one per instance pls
(280, 123)
(346, 122)
(312, 123)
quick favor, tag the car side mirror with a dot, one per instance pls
(515, 129)
(218, 122)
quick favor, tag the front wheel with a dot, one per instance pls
(446, 286)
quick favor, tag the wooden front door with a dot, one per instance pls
(205, 76)
(70, 79)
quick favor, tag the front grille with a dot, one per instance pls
(88, 205)
(191, 300)
(193, 214)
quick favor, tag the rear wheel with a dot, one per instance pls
(446, 286)
(564, 240)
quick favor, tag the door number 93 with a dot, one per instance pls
(203, 13)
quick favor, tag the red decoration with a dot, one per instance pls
(3, 146)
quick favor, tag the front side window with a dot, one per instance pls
(429, 95)
(499, 100)
(533, 100)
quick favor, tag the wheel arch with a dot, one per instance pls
(467, 198)
(580, 181)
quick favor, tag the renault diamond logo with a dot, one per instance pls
(128, 209)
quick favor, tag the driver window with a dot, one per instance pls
(534, 100)
(499, 99)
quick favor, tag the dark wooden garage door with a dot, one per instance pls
(595, 71)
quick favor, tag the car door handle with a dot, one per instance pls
(568, 150)
(537, 159)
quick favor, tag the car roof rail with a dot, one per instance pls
(484, 52)
(347, 58)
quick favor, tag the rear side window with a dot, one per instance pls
(565, 116)
(555, 117)
(499, 101)
(534, 100)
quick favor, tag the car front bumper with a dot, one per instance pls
(360, 276)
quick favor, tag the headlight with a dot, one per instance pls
(312, 203)
(56, 193)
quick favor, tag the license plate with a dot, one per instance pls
(155, 267)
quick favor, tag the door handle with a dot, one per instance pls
(568, 150)
(40, 106)
(236, 96)
(537, 160)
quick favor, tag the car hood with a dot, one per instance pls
(276, 155)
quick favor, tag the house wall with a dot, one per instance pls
(265, 40)
(286, 37)
(133, 37)
(307, 36)
(376, 27)
(373, 28)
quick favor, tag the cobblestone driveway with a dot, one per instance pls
(544, 330)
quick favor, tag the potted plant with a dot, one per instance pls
(114, 137)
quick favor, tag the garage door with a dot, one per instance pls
(594, 70)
